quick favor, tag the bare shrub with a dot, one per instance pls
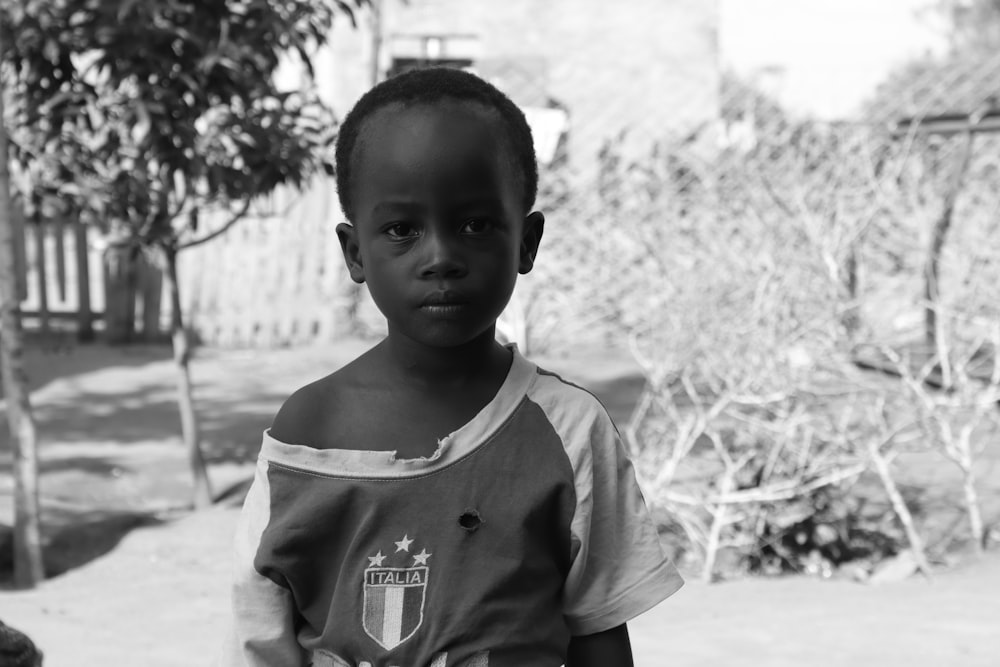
(956, 396)
(744, 279)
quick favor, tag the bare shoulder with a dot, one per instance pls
(307, 416)
(321, 414)
(296, 421)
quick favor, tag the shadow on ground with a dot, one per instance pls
(101, 397)
(72, 539)
(44, 363)
(230, 429)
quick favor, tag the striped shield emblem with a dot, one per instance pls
(394, 603)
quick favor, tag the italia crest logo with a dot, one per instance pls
(395, 590)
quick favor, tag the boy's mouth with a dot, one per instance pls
(440, 299)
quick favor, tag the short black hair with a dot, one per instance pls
(428, 85)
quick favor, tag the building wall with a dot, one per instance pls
(646, 66)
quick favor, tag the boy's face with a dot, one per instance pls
(439, 232)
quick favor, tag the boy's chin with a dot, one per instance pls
(443, 337)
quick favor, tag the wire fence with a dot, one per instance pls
(880, 220)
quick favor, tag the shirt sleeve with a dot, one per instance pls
(261, 629)
(618, 569)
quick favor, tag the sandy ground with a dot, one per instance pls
(161, 595)
(143, 581)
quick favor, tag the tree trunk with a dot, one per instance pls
(41, 263)
(119, 266)
(85, 317)
(972, 510)
(28, 569)
(963, 456)
(851, 318)
(899, 507)
(376, 62)
(185, 400)
(720, 515)
(932, 268)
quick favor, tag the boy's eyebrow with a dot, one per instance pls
(396, 205)
(486, 199)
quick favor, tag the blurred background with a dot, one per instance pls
(772, 250)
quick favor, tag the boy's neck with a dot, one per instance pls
(481, 359)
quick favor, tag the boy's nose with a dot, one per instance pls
(442, 259)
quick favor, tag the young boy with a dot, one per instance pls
(441, 501)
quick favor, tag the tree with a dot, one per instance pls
(28, 569)
(974, 25)
(156, 118)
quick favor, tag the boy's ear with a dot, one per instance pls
(348, 236)
(531, 236)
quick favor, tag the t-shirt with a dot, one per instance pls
(525, 527)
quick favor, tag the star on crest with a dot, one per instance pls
(376, 560)
(421, 558)
(404, 544)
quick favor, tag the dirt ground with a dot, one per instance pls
(140, 579)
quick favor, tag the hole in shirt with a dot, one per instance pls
(470, 521)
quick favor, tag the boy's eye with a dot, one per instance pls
(476, 226)
(401, 230)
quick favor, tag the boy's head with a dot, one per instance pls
(437, 176)
(430, 86)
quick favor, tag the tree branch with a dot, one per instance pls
(218, 232)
